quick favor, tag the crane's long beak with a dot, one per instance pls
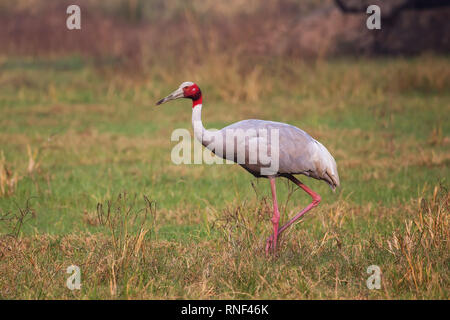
(174, 95)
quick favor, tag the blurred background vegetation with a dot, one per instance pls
(141, 32)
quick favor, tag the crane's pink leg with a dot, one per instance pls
(315, 201)
(272, 241)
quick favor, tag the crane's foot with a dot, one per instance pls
(271, 246)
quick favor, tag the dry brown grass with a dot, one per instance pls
(135, 265)
(422, 237)
(8, 179)
(10, 176)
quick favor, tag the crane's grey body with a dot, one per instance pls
(299, 153)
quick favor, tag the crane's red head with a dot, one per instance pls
(186, 90)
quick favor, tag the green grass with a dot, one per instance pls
(99, 134)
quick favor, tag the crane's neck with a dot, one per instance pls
(197, 124)
(200, 132)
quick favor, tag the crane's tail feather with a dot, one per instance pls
(333, 180)
(328, 167)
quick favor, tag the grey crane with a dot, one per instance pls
(266, 149)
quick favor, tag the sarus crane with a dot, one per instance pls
(291, 149)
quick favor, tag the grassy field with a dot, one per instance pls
(86, 179)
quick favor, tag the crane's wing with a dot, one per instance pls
(299, 153)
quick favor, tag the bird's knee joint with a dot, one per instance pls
(275, 219)
(316, 200)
